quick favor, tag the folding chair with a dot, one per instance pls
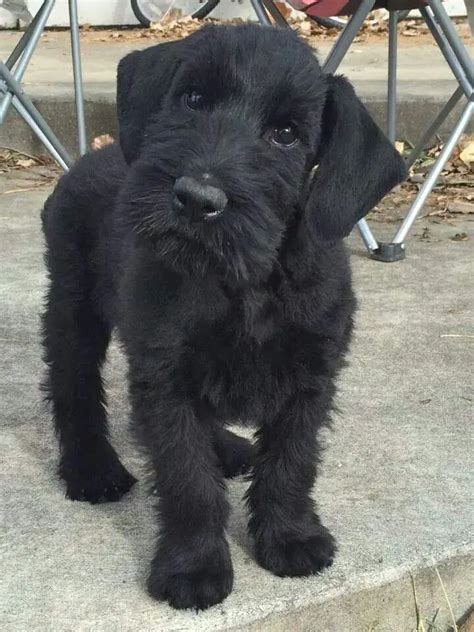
(455, 54)
(13, 70)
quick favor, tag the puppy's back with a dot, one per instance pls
(83, 250)
(87, 193)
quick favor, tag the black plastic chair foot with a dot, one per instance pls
(389, 252)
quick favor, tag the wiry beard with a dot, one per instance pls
(237, 247)
(240, 246)
(194, 251)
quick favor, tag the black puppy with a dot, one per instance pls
(211, 239)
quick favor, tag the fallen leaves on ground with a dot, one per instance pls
(26, 162)
(451, 198)
(14, 159)
(175, 25)
(32, 171)
(374, 27)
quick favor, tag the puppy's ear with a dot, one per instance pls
(356, 165)
(143, 80)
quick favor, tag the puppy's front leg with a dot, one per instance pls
(192, 566)
(289, 538)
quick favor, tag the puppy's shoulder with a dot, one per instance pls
(315, 288)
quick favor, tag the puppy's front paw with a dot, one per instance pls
(185, 582)
(95, 477)
(297, 555)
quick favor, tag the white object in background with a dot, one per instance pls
(456, 7)
(470, 14)
(94, 12)
(118, 12)
(17, 9)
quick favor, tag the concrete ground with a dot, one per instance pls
(425, 83)
(396, 487)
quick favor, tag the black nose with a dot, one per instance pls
(198, 201)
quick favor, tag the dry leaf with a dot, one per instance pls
(305, 27)
(467, 154)
(101, 141)
(25, 162)
(463, 208)
(400, 146)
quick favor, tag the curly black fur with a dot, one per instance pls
(243, 317)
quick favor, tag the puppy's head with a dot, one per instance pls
(233, 134)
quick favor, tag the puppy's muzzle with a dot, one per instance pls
(198, 201)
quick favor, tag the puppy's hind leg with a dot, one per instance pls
(75, 338)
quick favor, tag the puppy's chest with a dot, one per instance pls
(251, 360)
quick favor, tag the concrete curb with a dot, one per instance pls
(386, 603)
(414, 112)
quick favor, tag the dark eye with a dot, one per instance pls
(194, 100)
(284, 136)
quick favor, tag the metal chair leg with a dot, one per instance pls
(341, 47)
(367, 236)
(62, 158)
(261, 13)
(77, 70)
(17, 92)
(25, 56)
(392, 77)
(453, 38)
(445, 47)
(20, 47)
(435, 125)
(13, 93)
(433, 175)
(274, 11)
